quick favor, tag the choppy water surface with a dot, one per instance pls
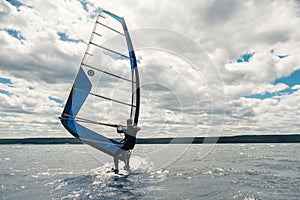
(252, 171)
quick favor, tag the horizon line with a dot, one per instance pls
(291, 138)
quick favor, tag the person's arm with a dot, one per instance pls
(120, 129)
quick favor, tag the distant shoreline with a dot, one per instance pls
(241, 139)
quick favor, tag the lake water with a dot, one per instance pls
(231, 171)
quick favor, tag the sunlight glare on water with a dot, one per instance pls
(237, 172)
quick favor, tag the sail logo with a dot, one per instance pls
(91, 73)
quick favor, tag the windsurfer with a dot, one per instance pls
(129, 142)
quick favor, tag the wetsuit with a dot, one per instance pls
(129, 142)
(130, 137)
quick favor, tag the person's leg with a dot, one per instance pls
(116, 159)
(127, 157)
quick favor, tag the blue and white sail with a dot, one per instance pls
(106, 89)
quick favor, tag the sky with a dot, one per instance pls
(207, 67)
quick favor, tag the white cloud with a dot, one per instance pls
(224, 30)
(296, 87)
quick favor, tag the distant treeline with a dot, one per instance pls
(178, 140)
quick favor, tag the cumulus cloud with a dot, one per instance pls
(42, 44)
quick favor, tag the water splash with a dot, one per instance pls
(98, 184)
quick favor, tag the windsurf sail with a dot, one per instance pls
(106, 90)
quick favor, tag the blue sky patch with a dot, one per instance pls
(15, 3)
(279, 56)
(14, 33)
(95, 12)
(115, 56)
(270, 94)
(260, 96)
(65, 37)
(245, 57)
(56, 100)
(5, 81)
(84, 5)
(291, 80)
(282, 56)
(5, 92)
